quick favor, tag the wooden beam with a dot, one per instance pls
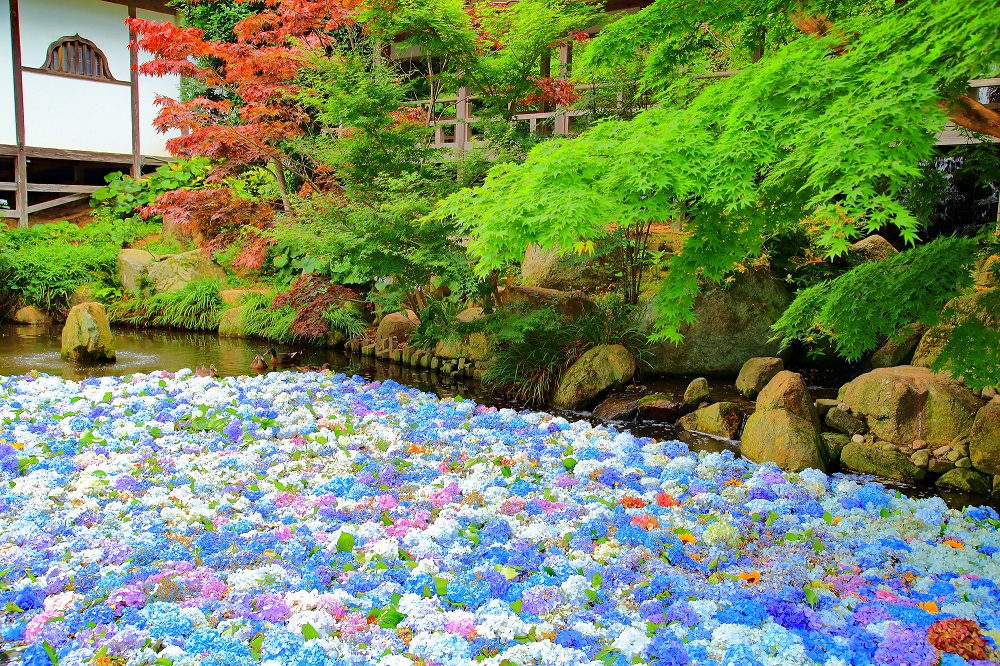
(21, 164)
(71, 75)
(149, 5)
(9, 213)
(45, 205)
(133, 64)
(52, 189)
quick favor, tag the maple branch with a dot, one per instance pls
(962, 111)
(970, 114)
(279, 175)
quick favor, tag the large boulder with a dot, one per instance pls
(785, 428)
(596, 372)
(787, 390)
(899, 349)
(232, 323)
(907, 403)
(980, 305)
(781, 437)
(232, 298)
(570, 304)
(723, 419)
(175, 272)
(132, 265)
(32, 315)
(732, 324)
(397, 325)
(966, 481)
(756, 373)
(472, 347)
(891, 464)
(87, 334)
(547, 269)
(874, 248)
(984, 445)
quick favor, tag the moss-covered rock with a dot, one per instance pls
(472, 347)
(175, 272)
(660, 407)
(596, 372)
(87, 334)
(891, 464)
(984, 443)
(234, 297)
(232, 323)
(568, 303)
(966, 481)
(732, 324)
(874, 248)
(779, 436)
(899, 349)
(696, 393)
(756, 373)
(618, 408)
(547, 269)
(132, 265)
(787, 390)
(32, 315)
(971, 306)
(908, 403)
(397, 325)
(834, 443)
(723, 419)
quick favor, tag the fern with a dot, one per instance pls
(264, 321)
(196, 307)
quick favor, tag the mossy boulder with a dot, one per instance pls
(899, 349)
(175, 272)
(874, 248)
(570, 304)
(984, 443)
(547, 269)
(472, 347)
(891, 464)
(779, 436)
(756, 373)
(723, 419)
(834, 443)
(966, 481)
(980, 305)
(233, 322)
(132, 265)
(87, 335)
(660, 407)
(908, 403)
(696, 393)
(732, 324)
(787, 390)
(599, 370)
(397, 325)
(32, 315)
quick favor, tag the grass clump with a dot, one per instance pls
(196, 307)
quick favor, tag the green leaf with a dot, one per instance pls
(309, 632)
(391, 619)
(516, 606)
(345, 543)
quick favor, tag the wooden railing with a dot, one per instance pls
(456, 132)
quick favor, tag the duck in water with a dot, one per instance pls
(258, 364)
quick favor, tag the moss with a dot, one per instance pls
(879, 462)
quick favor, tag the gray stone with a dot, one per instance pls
(787, 390)
(840, 421)
(32, 315)
(919, 444)
(964, 463)
(618, 408)
(966, 481)
(756, 373)
(660, 407)
(874, 248)
(547, 269)
(824, 405)
(473, 346)
(732, 324)
(940, 466)
(834, 443)
(396, 325)
(781, 437)
(696, 393)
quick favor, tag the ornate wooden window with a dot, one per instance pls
(77, 56)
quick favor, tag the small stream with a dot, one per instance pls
(24, 349)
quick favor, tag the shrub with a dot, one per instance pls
(196, 307)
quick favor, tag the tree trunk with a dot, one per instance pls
(279, 176)
(970, 114)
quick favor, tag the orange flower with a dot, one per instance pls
(687, 538)
(734, 482)
(954, 544)
(416, 448)
(751, 578)
(646, 521)
(929, 606)
(837, 519)
(666, 500)
(633, 503)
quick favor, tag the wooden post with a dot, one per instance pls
(21, 164)
(545, 72)
(565, 69)
(463, 111)
(133, 58)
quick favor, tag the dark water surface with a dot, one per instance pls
(24, 349)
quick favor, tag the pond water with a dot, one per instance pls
(25, 349)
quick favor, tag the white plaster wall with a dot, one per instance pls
(152, 142)
(8, 132)
(45, 21)
(76, 114)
